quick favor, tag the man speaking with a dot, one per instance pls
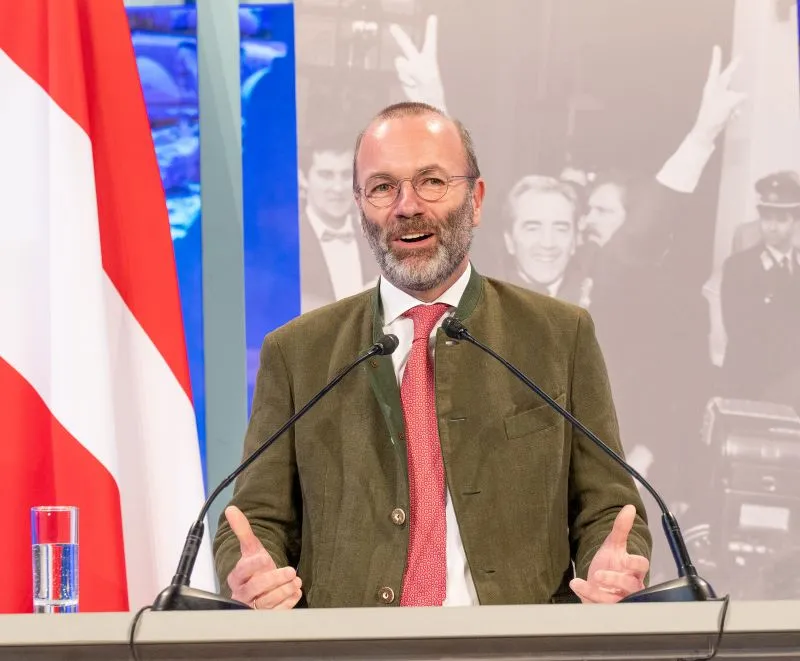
(431, 477)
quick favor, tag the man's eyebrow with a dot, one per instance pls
(380, 174)
(424, 168)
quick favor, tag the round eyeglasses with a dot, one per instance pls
(430, 185)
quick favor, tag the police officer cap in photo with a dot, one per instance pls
(779, 190)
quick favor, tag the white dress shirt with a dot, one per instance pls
(785, 257)
(460, 588)
(341, 255)
(683, 169)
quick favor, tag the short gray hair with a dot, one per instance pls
(540, 184)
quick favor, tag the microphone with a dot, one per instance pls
(689, 586)
(178, 595)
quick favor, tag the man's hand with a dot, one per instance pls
(719, 102)
(255, 580)
(613, 573)
(418, 70)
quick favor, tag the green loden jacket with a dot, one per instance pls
(531, 495)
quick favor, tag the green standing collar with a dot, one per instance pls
(466, 306)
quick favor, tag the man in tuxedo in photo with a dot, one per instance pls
(335, 260)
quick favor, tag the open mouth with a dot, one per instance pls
(415, 237)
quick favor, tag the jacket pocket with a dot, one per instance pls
(534, 420)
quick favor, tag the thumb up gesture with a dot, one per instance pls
(255, 579)
(613, 573)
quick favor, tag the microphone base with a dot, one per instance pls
(685, 588)
(184, 598)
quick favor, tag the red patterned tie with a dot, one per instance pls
(425, 580)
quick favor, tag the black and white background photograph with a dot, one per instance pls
(642, 161)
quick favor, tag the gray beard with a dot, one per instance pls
(412, 273)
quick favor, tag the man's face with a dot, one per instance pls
(777, 227)
(330, 180)
(606, 214)
(542, 238)
(418, 244)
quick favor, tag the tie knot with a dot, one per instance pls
(425, 318)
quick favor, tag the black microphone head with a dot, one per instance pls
(454, 328)
(387, 344)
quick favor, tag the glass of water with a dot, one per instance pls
(54, 536)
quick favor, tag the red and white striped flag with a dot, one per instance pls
(95, 398)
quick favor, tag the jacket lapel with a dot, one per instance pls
(471, 296)
(384, 385)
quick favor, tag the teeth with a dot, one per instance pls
(412, 236)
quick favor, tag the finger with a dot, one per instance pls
(727, 74)
(401, 64)
(637, 565)
(713, 69)
(289, 602)
(248, 542)
(618, 582)
(591, 594)
(403, 41)
(248, 567)
(618, 537)
(264, 583)
(737, 99)
(579, 587)
(429, 47)
(272, 597)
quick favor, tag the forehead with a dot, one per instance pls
(543, 205)
(404, 145)
(606, 195)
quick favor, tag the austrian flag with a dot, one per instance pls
(95, 398)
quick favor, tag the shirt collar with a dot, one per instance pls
(551, 289)
(319, 226)
(777, 257)
(396, 302)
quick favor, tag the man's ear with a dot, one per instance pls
(509, 241)
(478, 193)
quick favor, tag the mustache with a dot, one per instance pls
(417, 225)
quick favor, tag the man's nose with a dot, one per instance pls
(408, 203)
(547, 238)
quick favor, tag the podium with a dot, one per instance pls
(754, 630)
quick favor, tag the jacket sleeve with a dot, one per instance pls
(268, 491)
(598, 487)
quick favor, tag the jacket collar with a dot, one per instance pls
(768, 260)
(469, 301)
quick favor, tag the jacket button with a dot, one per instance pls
(398, 516)
(373, 363)
(386, 595)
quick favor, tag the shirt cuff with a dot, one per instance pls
(683, 169)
